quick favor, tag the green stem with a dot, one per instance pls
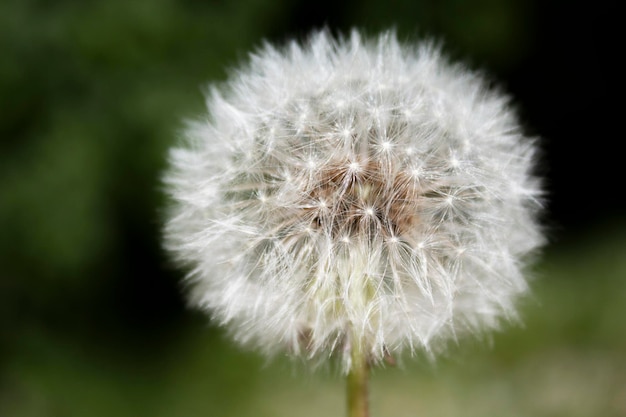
(357, 384)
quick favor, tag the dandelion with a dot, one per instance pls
(355, 198)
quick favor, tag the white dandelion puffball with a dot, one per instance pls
(354, 193)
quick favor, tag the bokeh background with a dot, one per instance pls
(92, 314)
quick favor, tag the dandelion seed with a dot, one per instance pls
(302, 243)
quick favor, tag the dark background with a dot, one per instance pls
(92, 314)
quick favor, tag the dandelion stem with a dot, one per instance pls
(357, 383)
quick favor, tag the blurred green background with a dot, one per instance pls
(92, 316)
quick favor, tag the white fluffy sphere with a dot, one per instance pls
(354, 191)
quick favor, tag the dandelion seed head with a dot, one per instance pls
(354, 191)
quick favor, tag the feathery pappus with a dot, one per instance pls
(354, 191)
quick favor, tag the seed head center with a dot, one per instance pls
(363, 198)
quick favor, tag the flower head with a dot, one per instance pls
(354, 192)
